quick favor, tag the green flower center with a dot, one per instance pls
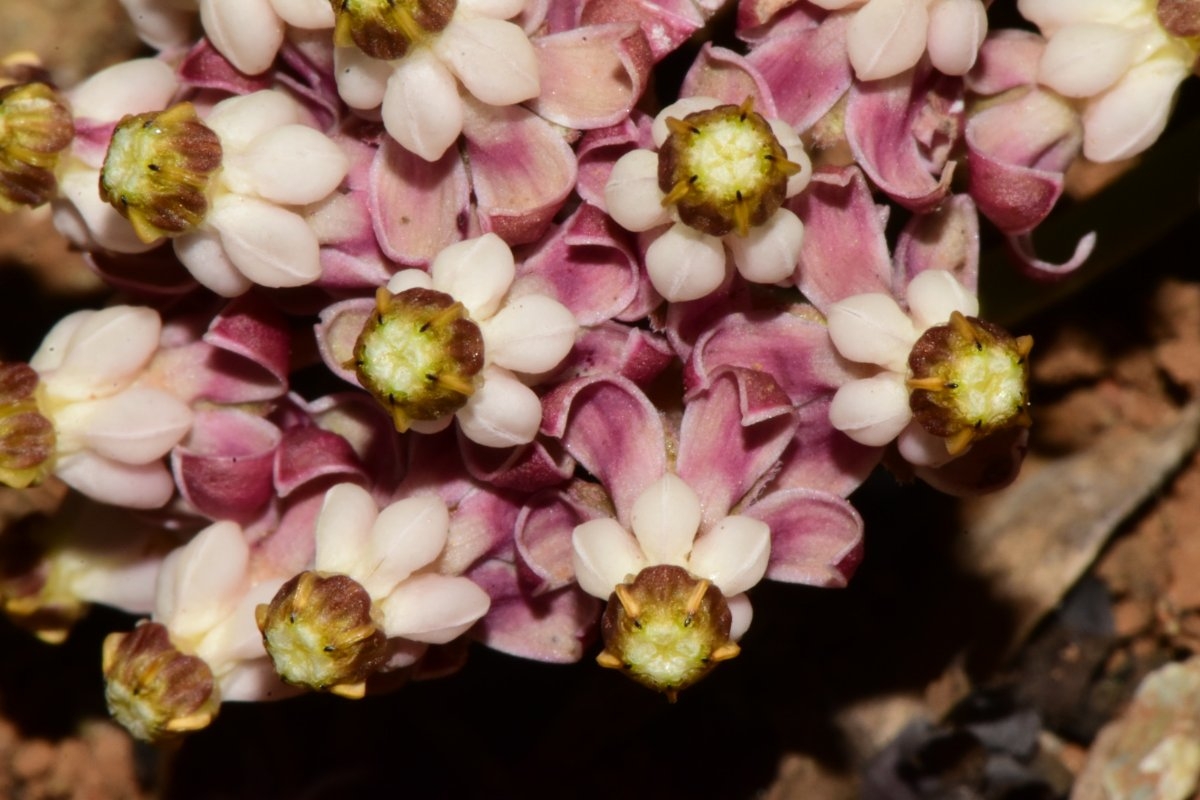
(723, 169)
(27, 438)
(35, 127)
(419, 354)
(385, 29)
(320, 633)
(666, 629)
(158, 169)
(970, 378)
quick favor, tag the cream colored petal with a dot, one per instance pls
(113, 482)
(496, 9)
(130, 87)
(665, 518)
(343, 528)
(421, 107)
(685, 264)
(871, 411)
(871, 329)
(920, 447)
(308, 14)
(406, 536)
(271, 246)
(241, 119)
(531, 334)
(1085, 59)
(503, 412)
(361, 80)
(493, 59)
(632, 196)
(205, 258)
(934, 295)
(1129, 117)
(294, 164)
(407, 279)
(956, 30)
(203, 581)
(247, 32)
(886, 37)
(476, 272)
(604, 555)
(733, 554)
(742, 614)
(107, 351)
(136, 426)
(433, 608)
(89, 222)
(769, 252)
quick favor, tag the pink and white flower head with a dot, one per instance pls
(373, 581)
(111, 428)
(1123, 59)
(454, 343)
(720, 177)
(200, 647)
(410, 58)
(946, 377)
(887, 37)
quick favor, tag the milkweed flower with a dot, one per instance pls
(946, 379)
(1122, 59)
(720, 176)
(35, 129)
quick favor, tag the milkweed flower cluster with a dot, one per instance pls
(431, 327)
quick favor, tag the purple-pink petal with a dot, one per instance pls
(1021, 248)
(309, 453)
(225, 467)
(821, 457)
(591, 76)
(527, 468)
(816, 537)
(666, 24)
(543, 538)
(418, 206)
(946, 239)
(337, 331)
(205, 68)
(599, 149)
(615, 349)
(727, 76)
(254, 351)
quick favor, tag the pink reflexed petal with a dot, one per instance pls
(116, 483)
(871, 329)
(407, 535)
(727, 76)
(956, 30)
(822, 457)
(871, 411)
(310, 14)
(526, 469)
(309, 454)
(625, 458)
(741, 614)
(493, 58)
(946, 239)
(844, 251)
(733, 554)
(205, 68)
(605, 554)
(685, 264)
(503, 412)
(293, 164)
(337, 332)
(666, 23)
(1022, 249)
(417, 206)
(768, 254)
(136, 426)
(247, 32)
(1084, 59)
(482, 523)
(343, 529)
(131, 87)
(1007, 59)
(271, 246)
(205, 258)
(665, 518)
(530, 334)
(616, 349)
(357, 418)
(225, 466)
(202, 582)
(553, 628)
(886, 37)
(731, 436)
(1018, 151)
(521, 167)
(88, 221)
(632, 196)
(477, 272)
(598, 150)
(253, 345)
(816, 538)
(936, 294)
(884, 121)
(818, 52)
(542, 536)
(361, 80)
(106, 351)
(433, 608)
(1129, 117)
(421, 107)
(592, 76)
(239, 120)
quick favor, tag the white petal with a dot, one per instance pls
(270, 245)
(361, 80)
(733, 555)
(160, 25)
(131, 87)
(293, 164)
(1051, 15)
(665, 518)
(604, 555)
(871, 329)
(241, 119)
(871, 411)
(886, 37)
(493, 58)
(834, 5)
(57, 341)
(503, 412)
(407, 279)
(531, 334)
(430, 426)
(88, 221)
(203, 581)
(205, 258)
(247, 32)
(794, 147)
(934, 295)
(433, 608)
(919, 446)
(956, 30)
(1085, 59)
(769, 252)
(237, 638)
(421, 107)
(307, 14)
(343, 527)
(496, 9)
(632, 196)
(407, 535)
(1129, 117)
(685, 264)
(742, 613)
(115, 483)
(106, 352)
(679, 109)
(136, 426)
(476, 272)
